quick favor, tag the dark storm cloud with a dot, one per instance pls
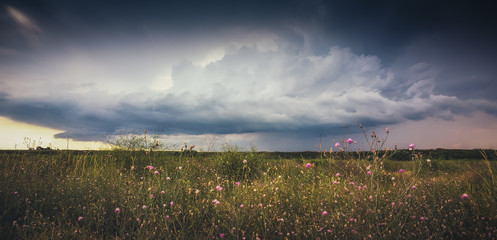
(313, 66)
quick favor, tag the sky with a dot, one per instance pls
(281, 75)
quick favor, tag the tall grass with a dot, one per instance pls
(243, 195)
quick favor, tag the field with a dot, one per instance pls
(244, 195)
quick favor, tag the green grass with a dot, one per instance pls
(74, 195)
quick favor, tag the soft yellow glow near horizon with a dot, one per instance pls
(13, 134)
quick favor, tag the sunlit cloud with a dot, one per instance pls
(27, 27)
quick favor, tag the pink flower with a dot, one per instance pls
(156, 172)
(245, 161)
(337, 145)
(241, 205)
(219, 188)
(168, 178)
(413, 187)
(167, 217)
(117, 210)
(221, 235)
(369, 172)
(171, 203)
(150, 167)
(80, 219)
(387, 130)
(349, 141)
(238, 183)
(152, 196)
(162, 192)
(216, 202)
(308, 165)
(464, 196)
(401, 170)
(412, 146)
(144, 207)
(324, 213)
(337, 175)
(137, 219)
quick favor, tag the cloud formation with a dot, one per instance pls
(251, 88)
(258, 68)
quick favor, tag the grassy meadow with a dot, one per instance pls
(236, 194)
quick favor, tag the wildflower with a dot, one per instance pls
(464, 196)
(219, 188)
(238, 183)
(369, 172)
(337, 175)
(167, 217)
(387, 130)
(337, 145)
(221, 235)
(413, 187)
(180, 167)
(137, 219)
(308, 165)
(412, 146)
(215, 201)
(15, 193)
(152, 196)
(80, 219)
(349, 141)
(144, 207)
(162, 192)
(401, 170)
(156, 172)
(168, 178)
(245, 161)
(428, 160)
(171, 203)
(324, 213)
(241, 205)
(117, 210)
(150, 167)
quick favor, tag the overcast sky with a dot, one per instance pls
(278, 74)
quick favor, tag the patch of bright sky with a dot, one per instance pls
(14, 134)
